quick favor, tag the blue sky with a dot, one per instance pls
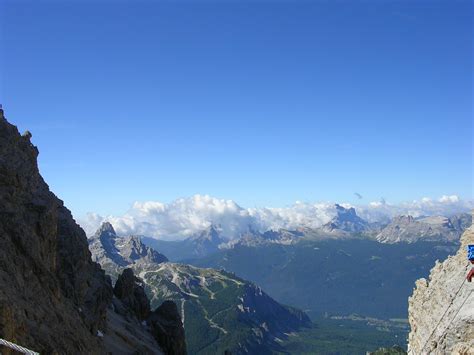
(262, 102)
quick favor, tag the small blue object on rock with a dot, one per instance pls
(470, 252)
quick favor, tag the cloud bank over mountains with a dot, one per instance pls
(186, 216)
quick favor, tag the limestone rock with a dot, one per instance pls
(434, 229)
(346, 220)
(441, 309)
(115, 253)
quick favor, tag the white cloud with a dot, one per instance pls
(186, 216)
(449, 199)
(298, 215)
(177, 219)
(445, 205)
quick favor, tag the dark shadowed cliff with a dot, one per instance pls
(53, 297)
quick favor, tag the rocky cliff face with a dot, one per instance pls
(441, 309)
(53, 298)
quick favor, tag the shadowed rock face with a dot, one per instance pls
(168, 329)
(129, 290)
(163, 325)
(52, 296)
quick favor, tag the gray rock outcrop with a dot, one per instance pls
(115, 253)
(441, 309)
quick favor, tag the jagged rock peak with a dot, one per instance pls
(211, 233)
(106, 230)
(129, 290)
(345, 211)
(107, 247)
(441, 309)
(132, 248)
(346, 220)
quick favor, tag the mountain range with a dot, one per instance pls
(220, 311)
(434, 228)
(348, 266)
(346, 224)
(61, 292)
(313, 269)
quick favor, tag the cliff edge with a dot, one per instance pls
(53, 298)
(441, 309)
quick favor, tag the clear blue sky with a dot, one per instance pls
(263, 102)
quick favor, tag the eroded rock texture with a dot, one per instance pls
(53, 298)
(441, 309)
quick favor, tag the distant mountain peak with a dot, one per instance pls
(209, 236)
(342, 210)
(213, 229)
(410, 229)
(346, 220)
(106, 230)
(123, 251)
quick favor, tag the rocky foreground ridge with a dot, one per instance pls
(53, 297)
(441, 309)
